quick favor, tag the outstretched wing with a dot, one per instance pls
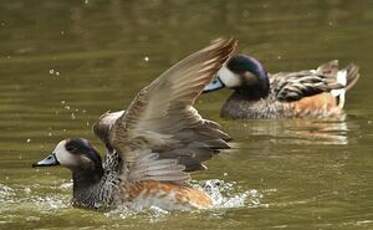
(297, 85)
(161, 130)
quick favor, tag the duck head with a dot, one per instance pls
(243, 74)
(76, 154)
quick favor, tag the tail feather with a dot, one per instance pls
(353, 75)
(329, 69)
(348, 78)
(340, 94)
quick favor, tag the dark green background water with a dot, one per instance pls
(63, 63)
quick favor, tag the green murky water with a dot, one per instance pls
(63, 63)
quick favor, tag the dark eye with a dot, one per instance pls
(72, 147)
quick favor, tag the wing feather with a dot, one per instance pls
(161, 119)
(295, 86)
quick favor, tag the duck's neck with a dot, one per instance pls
(86, 178)
(96, 187)
(251, 93)
(86, 186)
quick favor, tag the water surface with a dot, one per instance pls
(63, 63)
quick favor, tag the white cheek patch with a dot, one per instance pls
(63, 156)
(229, 78)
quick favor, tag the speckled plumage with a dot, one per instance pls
(103, 193)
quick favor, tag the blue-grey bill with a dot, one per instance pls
(50, 160)
(214, 85)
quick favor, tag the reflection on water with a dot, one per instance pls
(303, 131)
(63, 63)
(296, 131)
(321, 132)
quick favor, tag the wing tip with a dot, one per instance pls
(226, 45)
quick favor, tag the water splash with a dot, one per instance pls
(228, 194)
(225, 195)
(66, 186)
(49, 203)
(6, 193)
(152, 214)
(20, 197)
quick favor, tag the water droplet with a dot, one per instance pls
(73, 116)
(51, 71)
(27, 190)
(32, 218)
(63, 102)
(67, 107)
(28, 140)
(86, 1)
(146, 58)
(57, 73)
(246, 14)
(65, 186)
(50, 134)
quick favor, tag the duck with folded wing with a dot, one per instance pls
(315, 93)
